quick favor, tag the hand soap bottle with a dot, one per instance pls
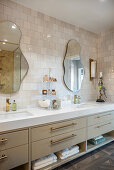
(14, 106)
(7, 105)
(75, 99)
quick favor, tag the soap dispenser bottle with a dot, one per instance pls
(7, 105)
(75, 99)
(14, 106)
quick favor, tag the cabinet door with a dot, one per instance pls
(14, 157)
(13, 139)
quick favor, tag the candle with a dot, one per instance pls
(101, 74)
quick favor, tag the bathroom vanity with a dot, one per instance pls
(28, 135)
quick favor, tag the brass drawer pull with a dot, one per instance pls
(61, 140)
(103, 116)
(57, 128)
(103, 125)
(3, 157)
(3, 140)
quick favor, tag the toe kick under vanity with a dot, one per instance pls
(25, 140)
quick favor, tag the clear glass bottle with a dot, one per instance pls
(79, 99)
(14, 106)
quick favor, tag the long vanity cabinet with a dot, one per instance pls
(24, 146)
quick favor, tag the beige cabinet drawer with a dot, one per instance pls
(99, 118)
(43, 132)
(62, 141)
(65, 127)
(13, 157)
(54, 144)
(99, 129)
(13, 139)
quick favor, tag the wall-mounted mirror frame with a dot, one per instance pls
(13, 65)
(73, 67)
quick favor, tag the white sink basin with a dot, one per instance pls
(15, 116)
(84, 105)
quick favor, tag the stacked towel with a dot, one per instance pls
(44, 161)
(97, 140)
(68, 152)
(74, 148)
(63, 153)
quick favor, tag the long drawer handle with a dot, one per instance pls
(103, 116)
(3, 140)
(60, 127)
(3, 157)
(103, 125)
(61, 140)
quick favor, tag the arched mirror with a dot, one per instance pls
(13, 64)
(73, 68)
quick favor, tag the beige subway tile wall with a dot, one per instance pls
(106, 61)
(43, 44)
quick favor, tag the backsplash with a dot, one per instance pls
(43, 44)
(106, 61)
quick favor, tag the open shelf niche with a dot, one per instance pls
(109, 137)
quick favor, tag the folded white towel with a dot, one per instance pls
(73, 153)
(67, 152)
(44, 165)
(63, 152)
(59, 154)
(73, 148)
(70, 154)
(44, 160)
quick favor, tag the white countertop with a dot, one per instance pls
(37, 116)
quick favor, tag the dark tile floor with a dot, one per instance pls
(100, 159)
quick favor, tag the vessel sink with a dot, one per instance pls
(15, 115)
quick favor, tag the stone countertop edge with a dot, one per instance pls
(52, 118)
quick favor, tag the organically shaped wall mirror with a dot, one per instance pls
(73, 68)
(13, 64)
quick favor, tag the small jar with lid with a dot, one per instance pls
(53, 92)
(44, 92)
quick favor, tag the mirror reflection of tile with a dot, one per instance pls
(12, 62)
